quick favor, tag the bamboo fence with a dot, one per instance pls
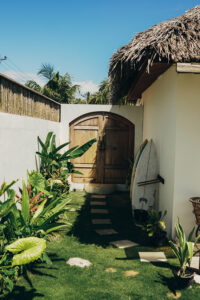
(15, 98)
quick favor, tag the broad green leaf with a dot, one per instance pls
(81, 150)
(29, 249)
(6, 206)
(25, 204)
(38, 211)
(37, 180)
(53, 143)
(190, 247)
(55, 228)
(175, 250)
(60, 147)
(190, 235)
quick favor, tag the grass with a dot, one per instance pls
(60, 281)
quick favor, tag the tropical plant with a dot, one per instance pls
(24, 251)
(59, 88)
(155, 227)
(185, 249)
(19, 222)
(34, 86)
(154, 223)
(56, 165)
(100, 97)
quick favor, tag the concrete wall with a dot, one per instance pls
(18, 143)
(172, 120)
(18, 135)
(160, 125)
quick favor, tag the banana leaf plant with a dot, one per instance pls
(52, 162)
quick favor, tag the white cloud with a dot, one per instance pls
(87, 86)
(23, 77)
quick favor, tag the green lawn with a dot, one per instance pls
(60, 281)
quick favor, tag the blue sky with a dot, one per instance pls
(76, 36)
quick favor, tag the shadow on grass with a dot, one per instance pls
(119, 207)
(21, 293)
(172, 284)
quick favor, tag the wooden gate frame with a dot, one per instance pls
(114, 115)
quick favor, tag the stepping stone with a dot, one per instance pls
(78, 262)
(177, 295)
(195, 262)
(122, 244)
(97, 203)
(99, 211)
(98, 196)
(131, 273)
(106, 231)
(101, 221)
(152, 256)
(197, 278)
(111, 270)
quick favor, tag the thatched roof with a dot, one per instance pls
(176, 40)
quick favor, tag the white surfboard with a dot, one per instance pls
(144, 197)
(137, 158)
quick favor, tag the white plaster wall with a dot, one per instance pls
(160, 125)
(18, 143)
(187, 170)
(134, 114)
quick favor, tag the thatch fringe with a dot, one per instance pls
(176, 40)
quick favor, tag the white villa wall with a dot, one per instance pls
(160, 125)
(18, 143)
(18, 135)
(187, 170)
(172, 120)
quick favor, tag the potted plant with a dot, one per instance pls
(184, 252)
(155, 228)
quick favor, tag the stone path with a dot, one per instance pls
(100, 207)
(103, 227)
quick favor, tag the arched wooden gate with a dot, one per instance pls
(106, 160)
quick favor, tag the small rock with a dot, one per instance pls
(174, 296)
(131, 273)
(78, 262)
(111, 270)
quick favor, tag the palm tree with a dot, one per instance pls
(102, 96)
(59, 88)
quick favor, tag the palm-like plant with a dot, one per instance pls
(184, 251)
(102, 96)
(59, 88)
